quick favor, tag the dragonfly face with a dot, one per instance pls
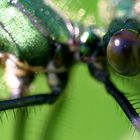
(122, 39)
(123, 50)
(123, 47)
(53, 42)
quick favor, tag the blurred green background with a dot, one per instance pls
(85, 111)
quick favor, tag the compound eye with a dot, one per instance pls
(123, 52)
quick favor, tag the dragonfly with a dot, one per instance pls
(37, 38)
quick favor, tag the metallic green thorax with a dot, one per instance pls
(36, 33)
(20, 37)
(51, 20)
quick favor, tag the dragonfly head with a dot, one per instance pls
(90, 43)
(123, 52)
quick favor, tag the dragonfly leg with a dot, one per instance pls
(120, 98)
(39, 98)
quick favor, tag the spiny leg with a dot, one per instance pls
(40, 98)
(103, 76)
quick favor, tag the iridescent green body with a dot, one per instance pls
(32, 46)
(50, 20)
(29, 29)
(20, 37)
